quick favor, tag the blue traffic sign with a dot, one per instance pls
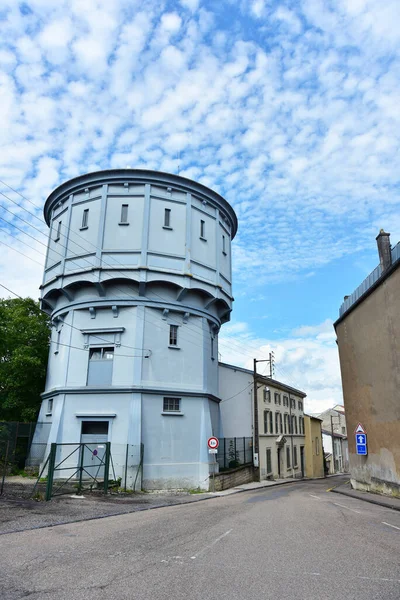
(361, 444)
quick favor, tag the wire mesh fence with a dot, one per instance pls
(234, 452)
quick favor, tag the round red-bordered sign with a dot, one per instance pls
(213, 443)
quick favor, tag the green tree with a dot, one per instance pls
(24, 348)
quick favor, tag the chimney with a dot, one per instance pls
(385, 254)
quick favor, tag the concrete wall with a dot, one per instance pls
(314, 450)
(369, 348)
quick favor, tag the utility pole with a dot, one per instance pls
(256, 460)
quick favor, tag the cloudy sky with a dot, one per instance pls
(290, 109)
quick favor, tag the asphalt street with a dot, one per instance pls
(296, 541)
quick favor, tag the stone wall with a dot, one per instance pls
(233, 477)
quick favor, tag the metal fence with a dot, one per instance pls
(234, 452)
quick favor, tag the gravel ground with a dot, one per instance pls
(20, 513)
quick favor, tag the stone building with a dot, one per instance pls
(280, 419)
(137, 281)
(368, 337)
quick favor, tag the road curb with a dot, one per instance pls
(370, 500)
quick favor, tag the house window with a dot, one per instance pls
(285, 422)
(281, 422)
(285, 401)
(267, 395)
(58, 232)
(167, 218)
(276, 422)
(85, 218)
(292, 403)
(300, 405)
(172, 405)
(173, 335)
(100, 366)
(202, 230)
(301, 425)
(223, 245)
(344, 430)
(316, 445)
(295, 425)
(277, 398)
(49, 406)
(288, 457)
(295, 456)
(124, 214)
(269, 461)
(266, 421)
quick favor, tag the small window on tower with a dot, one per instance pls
(167, 218)
(173, 336)
(223, 245)
(124, 214)
(58, 232)
(85, 218)
(203, 230)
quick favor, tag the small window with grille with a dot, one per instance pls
(173, 336)
(172, 405)
(167, 218)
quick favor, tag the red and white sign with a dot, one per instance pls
(213, 443)
(359, 429)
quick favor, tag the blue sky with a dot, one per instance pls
(288, 109)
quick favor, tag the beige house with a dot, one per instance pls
(368, 336)
(314, 451)
(280, 419)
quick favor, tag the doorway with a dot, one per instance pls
(302, 460)
(94, 434)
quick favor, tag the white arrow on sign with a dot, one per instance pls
(361, 439)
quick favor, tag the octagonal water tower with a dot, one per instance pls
(137, 282)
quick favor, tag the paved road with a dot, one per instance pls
(294, 542)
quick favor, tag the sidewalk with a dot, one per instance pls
(254, 485)
(386, 501)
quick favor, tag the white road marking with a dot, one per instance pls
(212, 544)
(315, 497)
(343, 506)
(389, 525)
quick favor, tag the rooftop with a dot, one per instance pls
(266, 380)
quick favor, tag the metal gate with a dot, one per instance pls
(80, 466)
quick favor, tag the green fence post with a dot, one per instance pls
(107, 466)
(50, 471)
(81, 461)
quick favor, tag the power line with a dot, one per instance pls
(11, 292)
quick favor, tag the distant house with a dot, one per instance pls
(334, 427)
(368, 337)
(280, 419)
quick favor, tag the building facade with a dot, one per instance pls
(368, 337)
(280, 419)
(314, 450)
(334, 428)
(137, 282)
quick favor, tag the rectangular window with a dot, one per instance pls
(50, 406)
(172, 405)
(85, 218)
(100, 366)
(316, 445)
(295, 456)
(167, 218)
(173, 335)
(292, 402)
(280, 422)
(58, 232)
(271, 420)
(300, 425)
(223, 245)
(288, 457)
(285, 422)
(124, 214)
(267, 395)
(300, 405)
(277, 398)
(344, 430)
(295, 425)
(266, 421)
(269, 461)
(58, 342)
(203, 230)
(285, 401)
(276, 422)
